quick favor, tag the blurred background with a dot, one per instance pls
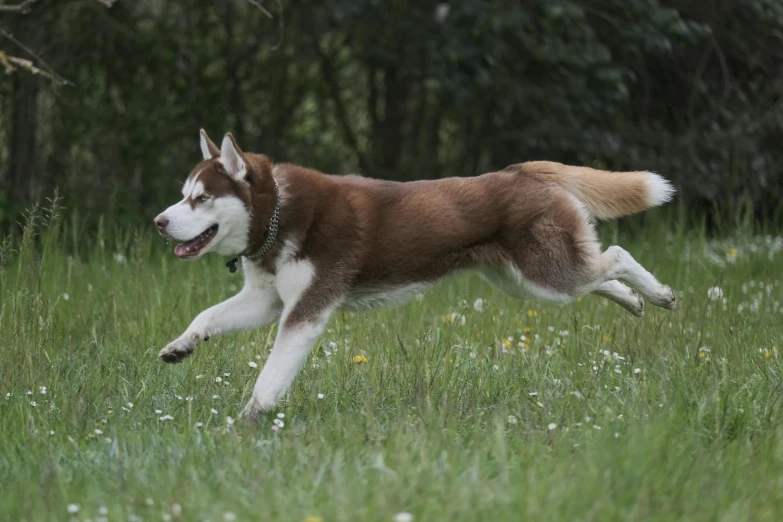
(402, 90)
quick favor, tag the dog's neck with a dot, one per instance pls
(271, 235)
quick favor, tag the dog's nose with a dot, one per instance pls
(161, 221)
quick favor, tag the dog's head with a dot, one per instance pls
(227, 202)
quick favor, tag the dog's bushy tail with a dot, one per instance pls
(606, 195)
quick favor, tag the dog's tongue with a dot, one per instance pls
(185, 249)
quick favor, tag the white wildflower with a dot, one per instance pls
(167, 418)
(551, 426)
(478, 305)
(715, 293)
(73, 508)
(403, 517)
(252, 364)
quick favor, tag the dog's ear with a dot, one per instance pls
(208, 149)
(232, 159)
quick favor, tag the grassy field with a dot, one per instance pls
(495, 410)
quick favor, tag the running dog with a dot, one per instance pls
(312, 243)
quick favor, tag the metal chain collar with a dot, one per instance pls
(274, 223)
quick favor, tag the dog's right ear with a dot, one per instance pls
(208, 149)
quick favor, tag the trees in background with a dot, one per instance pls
(392, 89)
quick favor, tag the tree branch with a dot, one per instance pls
(12, 62)
(22, 8)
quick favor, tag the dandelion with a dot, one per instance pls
(66, 296)
(506, 342)
(73, 508)
(320, 396)
(252, 364)
(532, 313)
(715, 293)
(167, 418)
(551, 426)
(769, 353)
(358, 359)
(527, 330)
(732, 252)
(512, 419)
(403, 517)
(478, 305)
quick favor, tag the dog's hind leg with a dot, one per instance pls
(617, 292)
(621, 265)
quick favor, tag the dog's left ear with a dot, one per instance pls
(232, 159)
(208, 149)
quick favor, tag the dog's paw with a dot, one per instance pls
(255, 410)
(177, 351)
(665, 299)
(636, 307)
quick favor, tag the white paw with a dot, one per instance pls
(665, 299)
(255, 409)
(177, 351)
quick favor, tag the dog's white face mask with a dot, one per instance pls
(212, 216)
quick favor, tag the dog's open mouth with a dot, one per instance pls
(194, 246)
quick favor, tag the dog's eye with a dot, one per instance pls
(202, 198)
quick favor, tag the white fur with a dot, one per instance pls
(368, 298)
(228, 212)
(512, 282)
(204, 146)
(293, 343)
(232, 160)
(623, 266)
(257, 304)
(619, 293)
(659, 190)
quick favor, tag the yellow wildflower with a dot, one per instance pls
(314, 519)
(606, 338)
(506, 343)
(532, 313)
(732, 252)
(358, 359)
(702, 355)
(527, 330)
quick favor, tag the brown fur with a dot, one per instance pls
(362, 232)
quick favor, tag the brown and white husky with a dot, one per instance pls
(312, 243)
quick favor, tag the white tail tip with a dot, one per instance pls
(659, 189)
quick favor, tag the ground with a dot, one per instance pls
(462, 405)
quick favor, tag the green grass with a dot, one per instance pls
(444, 420)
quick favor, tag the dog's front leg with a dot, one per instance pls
(252, 307)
